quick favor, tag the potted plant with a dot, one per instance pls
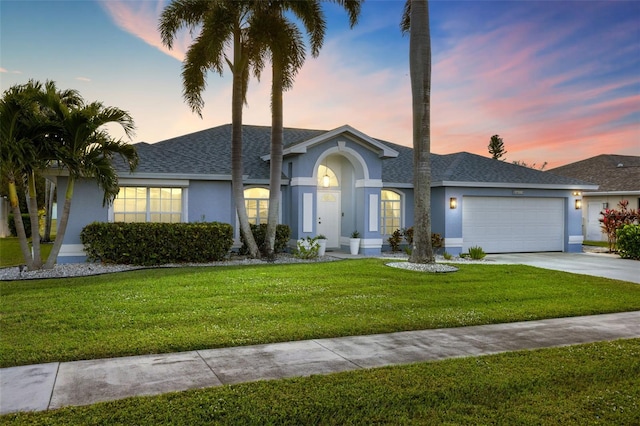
(354, 242)
(322, 244)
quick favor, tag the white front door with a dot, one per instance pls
(594, 228)
(329, 217)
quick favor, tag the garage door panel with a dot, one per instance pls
(503, 225)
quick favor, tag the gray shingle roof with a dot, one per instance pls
(612, 172)
(208, 152)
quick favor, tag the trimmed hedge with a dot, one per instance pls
(283, 233)
(26, 220)
(156, 243)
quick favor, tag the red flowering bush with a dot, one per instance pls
(613, 219)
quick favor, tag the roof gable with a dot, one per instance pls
(302, 146)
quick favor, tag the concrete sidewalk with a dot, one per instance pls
(55, 385)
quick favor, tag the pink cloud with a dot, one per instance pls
(140, 18)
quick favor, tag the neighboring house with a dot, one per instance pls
(335, 182)
(618, 178)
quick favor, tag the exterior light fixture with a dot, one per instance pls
(453, 202)
(605, 206)
(326, 181)
(578, 204)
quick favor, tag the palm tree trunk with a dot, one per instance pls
(63, 220)
(50, 192)
(275, 179)
(17, 217)
(237, 100)
(420, 70)
(35, 223)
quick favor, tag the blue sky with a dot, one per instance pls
(559, 81)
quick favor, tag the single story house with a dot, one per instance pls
(618, 178)
(336, 182)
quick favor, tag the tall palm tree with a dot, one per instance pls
(283, 42)
(415, 20)
(219, 23)
(85, 149)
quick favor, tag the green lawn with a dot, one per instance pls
(10, 254)
(578, 385)
(167, 310)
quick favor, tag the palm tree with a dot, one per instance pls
(20, 125)
(83, 148)
(220, 23)
(283, 42)
(26, 150)
(415, 20)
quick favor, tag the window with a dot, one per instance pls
(390, 212)
(256, 201)
(327, 177)
(142, 204)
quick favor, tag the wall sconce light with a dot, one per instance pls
(453, 202)
(605, 206)
(577, 193)
(578, 204)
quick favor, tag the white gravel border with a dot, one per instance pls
(69, 270)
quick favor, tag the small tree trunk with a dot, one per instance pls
(62, 225)
(50, 188)
(17, 218)
(237, 183)
(35, 222)
(276, 155)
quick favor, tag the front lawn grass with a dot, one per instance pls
(11, 255)
(595, 383)
(179, 309)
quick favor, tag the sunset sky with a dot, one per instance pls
(559, 81)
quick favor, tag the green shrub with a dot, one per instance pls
(307, 248)
(26, 220)
(283, 233)
(476, 253)
(447, 256)
(156, 243)
(628, 241)
(437, 241)
(394, 240)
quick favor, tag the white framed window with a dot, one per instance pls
(256, 201)
(390, 211)
(148, 204)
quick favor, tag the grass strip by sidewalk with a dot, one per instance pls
(170, 310)
(595, 383)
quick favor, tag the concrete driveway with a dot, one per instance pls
(597, 264)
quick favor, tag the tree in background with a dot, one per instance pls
(531, 166)
(415, 20)
(496, 147)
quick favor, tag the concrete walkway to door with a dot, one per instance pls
(597, 264)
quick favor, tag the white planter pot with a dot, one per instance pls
(354, 245)
(322, 247)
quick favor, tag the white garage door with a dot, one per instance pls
(512, 225)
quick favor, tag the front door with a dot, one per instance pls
(329, 217)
